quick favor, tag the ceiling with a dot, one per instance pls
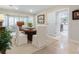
(32, 9)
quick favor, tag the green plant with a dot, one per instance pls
(5, 40)
(30, 24)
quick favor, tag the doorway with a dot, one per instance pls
(62, 23)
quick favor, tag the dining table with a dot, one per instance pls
(29, 32)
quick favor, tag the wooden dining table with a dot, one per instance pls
(30, 33)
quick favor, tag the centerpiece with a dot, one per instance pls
(30, 26)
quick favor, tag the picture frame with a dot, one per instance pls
(75, 15)
(41, 19)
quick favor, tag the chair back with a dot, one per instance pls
(40, 40)
(41, 30)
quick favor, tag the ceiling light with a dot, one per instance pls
(16, 8)
(31, 10)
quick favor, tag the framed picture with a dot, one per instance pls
(41, 19)
(75, 15)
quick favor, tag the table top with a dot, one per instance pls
(28, 29)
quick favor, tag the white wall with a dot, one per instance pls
(73, 25)
(50, 17)
(51, 23)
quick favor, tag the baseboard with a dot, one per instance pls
(53, 37)
(74, 41)
(70, 40)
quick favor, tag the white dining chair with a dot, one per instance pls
(19, 38)
(40, 40)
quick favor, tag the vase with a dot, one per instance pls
(3, 51)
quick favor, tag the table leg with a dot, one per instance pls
(29, 37)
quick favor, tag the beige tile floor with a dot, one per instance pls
(23, 49)
(61, 46)
(55, 48)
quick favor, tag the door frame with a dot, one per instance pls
(58, 11)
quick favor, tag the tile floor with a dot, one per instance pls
(61, 46)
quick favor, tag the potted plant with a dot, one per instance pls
(5, 40)
(30, 25)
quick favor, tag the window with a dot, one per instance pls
(25, 19)
(5, 22)
(30, 20)
(12, 20)
(16, 20)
